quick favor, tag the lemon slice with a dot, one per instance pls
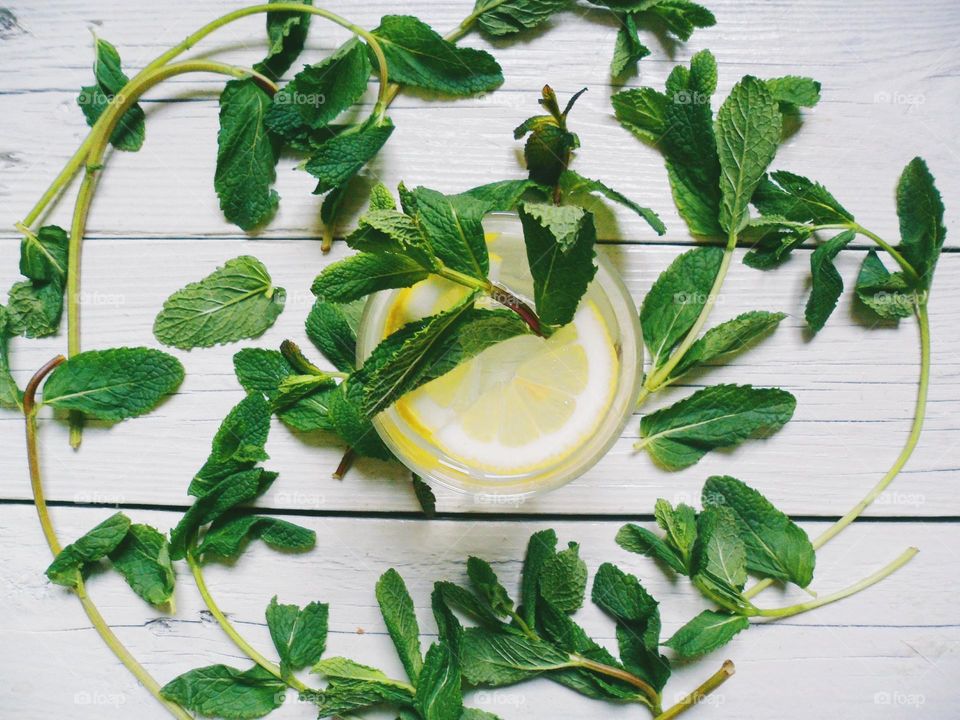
(521, 405)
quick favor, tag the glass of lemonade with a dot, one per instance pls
(528, 414)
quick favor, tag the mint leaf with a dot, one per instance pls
(341, 157)
(320, 92)
(246, 156)
(572, 182)
(776, 546)
(920, 210)
(299, 634)
(143, 558)
(643, 542)
(43, 256)
(341, 668)
(673, 304)
(643, 111)
(381, 198)
(748, 132)
(228, 534)
(487, 586)
(563, 580)
(466, 601)
(547, 150)
(705, 633)
(720, 557)
(540, 548)
(365, 273)
(261, 371)
(714, 417)
(310, 414)
(68, 566)
(774, 247)
(286, 33)
(681, 17)
(110, 80)
(238, 444)
(343, 697)
(236, 302)
(348, 420)
(225, 692)
(506, 17)
(113, 384)
(628, 50)
(417, 55)
(887, 294)
(826, 283)
(34, 308)
(10, 395)
(497, 658)
(425, 496)
(397, 610)
(560, 250)
(439, 695)
(727, 338)
(680, 524)
(503, 195)
(452, 225)
(390, 231)
(792, 91)
(798, 199)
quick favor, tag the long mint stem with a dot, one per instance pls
(725, 672)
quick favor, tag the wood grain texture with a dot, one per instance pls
(845, 658)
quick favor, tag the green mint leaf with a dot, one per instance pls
(720, 557)
(225, 495)
(68, 566)
(417, 55)
(541, 547)
(680, 524)
(497, 658)
(381, 198)
(238, 444)
(439, 695)
(728, 338)
(398, 615)
(887, 294)
(35, 308)
(143, 558)
(560, 250)
(826, 283)
(774, 247)
(235, 302)
(642, 111)
(312, 413)
(426, 349)
(320, 92)
(425, 497)
(341, 668)
(506, 17)
(776, 546)
(296, 388)
(225, 692)
(487, 586)
(286, 35)
(623, 597)
(261, 371)
(10, 395)
(93, 100)
(344, 697)
(299, 634)
(449, 629)
(748, 132)
(338, 159)
(476, 714)
(547, 150)
(681, 17)
(390, 231)
(920, 210)
(798, 199)
(563, 580)
(113, 384)
(673, 304)
(503, 195)
(643, 542)
(466, 601)
(348, 420)
(628, 50)
(705, 633)
(364, 273)
(43, 256)
(452, 225)
(714, 417)
(246, 156)
(572, 182)
(228, 535)
(792, 91)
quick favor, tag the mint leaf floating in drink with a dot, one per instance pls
(235, 302)
(113, 384)
(418, 56)
(225, 692)
(110, 80)
(71, 562)
(714, 417)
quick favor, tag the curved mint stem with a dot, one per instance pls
(725, 672)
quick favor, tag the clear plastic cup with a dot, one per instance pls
(434, 464)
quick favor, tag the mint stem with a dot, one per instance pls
(725, 672)
(345, 464)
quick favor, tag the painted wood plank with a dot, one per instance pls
(855, 387)
(870, 656)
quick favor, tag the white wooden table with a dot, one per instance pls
(891, 90)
